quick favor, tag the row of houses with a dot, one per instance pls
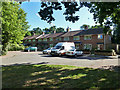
(83, 39)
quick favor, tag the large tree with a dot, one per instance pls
(14, 25)
(105, 13)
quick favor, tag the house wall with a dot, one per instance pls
(45, 44)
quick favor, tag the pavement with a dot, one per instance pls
(18, 57)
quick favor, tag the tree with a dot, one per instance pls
(85, 26)
(96, 26)
(14, 25)
(60, 29)
(36, 31)
(105, 13)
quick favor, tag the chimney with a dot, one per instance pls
(54, 31)
(68, 29)
(43, 33)
(33, 33)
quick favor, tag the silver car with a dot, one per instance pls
(47, 51)
(74, 52)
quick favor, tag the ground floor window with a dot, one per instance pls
(99, 46)
(51, 45)
(77, 46)
(88, 46)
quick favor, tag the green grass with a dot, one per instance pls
(57, 76)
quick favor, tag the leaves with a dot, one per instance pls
(14, 25)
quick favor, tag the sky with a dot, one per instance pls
(32, 9)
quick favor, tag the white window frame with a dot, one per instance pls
(44, 39)
(51, 45)
(29, 40)
(66, 38)
(51, 39)
(39, 40)
(87, 36)
(33, 40)
(58, 39)
(98, 46)
(89, 45)
(99, 36)
(76, 38)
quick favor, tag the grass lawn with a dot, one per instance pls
(57, 76)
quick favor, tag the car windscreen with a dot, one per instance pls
(57, 47)
(48, 48)
(71, 50)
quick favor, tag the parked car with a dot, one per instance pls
(47, 51)
(31, 49)
(74, 52)
(61, 48)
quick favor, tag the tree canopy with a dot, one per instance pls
(14, 25)
(105, 13)
(38, 30)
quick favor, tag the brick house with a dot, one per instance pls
(83, 39)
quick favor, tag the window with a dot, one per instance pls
(51, 45)
(66, 38)
(25, 40)
(76, 38)
(88, 46)
(77, 46)
(33, 45)
(87, 37)
(33, 40)
(59, 39)
(51, 39)
(29, 40)
(98, 47)
(45, 39)
(39, 40)
(100, 36)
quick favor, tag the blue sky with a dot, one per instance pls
(32, 9)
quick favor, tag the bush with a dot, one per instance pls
(15, 47)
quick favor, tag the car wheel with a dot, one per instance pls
(75, 55)
(60, 54)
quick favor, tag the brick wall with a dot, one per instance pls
(94, 41)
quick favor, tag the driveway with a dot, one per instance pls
(18, 57)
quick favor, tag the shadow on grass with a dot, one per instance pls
(57, 76)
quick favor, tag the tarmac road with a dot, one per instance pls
(18, 57)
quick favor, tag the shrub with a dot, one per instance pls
(15, 47)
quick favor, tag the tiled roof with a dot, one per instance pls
(70, 33)
(90, 31)
(26, 37)
(54, 35)
(33, 37)
(43, 36)
(66, 34)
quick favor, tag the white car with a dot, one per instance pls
(74, 52)
(47, 51)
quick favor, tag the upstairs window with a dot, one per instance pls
(58, 39)
(87, 37)
(100, 36)
(45, 39)
(76, 38)
(29, 40)
(33, 40)
(39, 40)
(51, 39)
(66, 38)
